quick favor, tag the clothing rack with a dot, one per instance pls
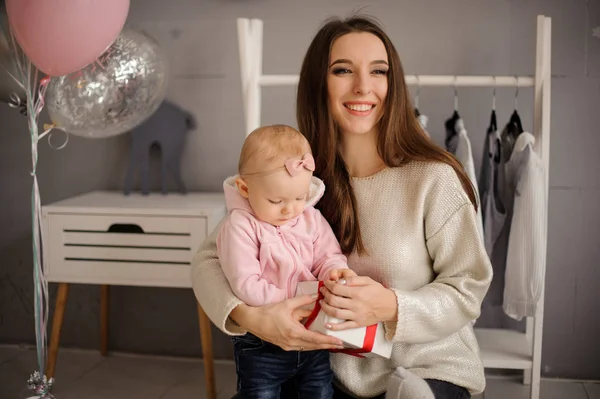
(500, 348)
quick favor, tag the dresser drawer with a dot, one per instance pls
(122, 250)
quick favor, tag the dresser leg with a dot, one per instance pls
(104, 312)
(57, 321)
(207, 353)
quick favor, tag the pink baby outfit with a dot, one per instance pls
(264, 263)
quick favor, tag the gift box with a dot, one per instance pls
(367, 341)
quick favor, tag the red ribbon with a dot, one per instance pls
(370, 331)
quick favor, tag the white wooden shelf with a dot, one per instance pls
(504, 349)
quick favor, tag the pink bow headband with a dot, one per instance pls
(295, 166)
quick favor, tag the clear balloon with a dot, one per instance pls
(9, 88)
(114, 95)
(10, 91)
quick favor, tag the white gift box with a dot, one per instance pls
(362, 341)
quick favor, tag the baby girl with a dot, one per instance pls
(273, 238)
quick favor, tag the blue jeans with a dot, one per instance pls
(262, 368)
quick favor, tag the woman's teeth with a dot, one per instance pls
(359, 107)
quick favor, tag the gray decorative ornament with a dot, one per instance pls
(112, 96)
(167, 128)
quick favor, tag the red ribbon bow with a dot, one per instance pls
(370, 331)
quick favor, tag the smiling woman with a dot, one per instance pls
(362, 68)
(403, 211)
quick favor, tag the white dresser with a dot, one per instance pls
(107, 238)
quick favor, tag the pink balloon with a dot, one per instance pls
(63, 36)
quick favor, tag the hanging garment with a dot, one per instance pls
(487, 161)
(451, 140)
(492, 188)
(491, 181)
(526, 256)
(465, 156)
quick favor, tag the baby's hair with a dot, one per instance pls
(269, 146)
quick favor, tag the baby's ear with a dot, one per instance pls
(242, 187)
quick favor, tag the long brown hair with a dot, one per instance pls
(400, 139)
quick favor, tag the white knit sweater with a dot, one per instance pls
(420, 231)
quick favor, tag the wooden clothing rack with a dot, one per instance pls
(500, 348)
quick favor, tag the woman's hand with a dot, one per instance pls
(359, 300)
(280, 324)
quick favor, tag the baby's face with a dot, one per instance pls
(279, 197)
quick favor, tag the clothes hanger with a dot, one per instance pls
(450, 123)
(493, 127)
(513, 129)
(515, 125)
(493, 122)
(455, 114)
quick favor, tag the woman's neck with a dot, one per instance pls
(360, 154)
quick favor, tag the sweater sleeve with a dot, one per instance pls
(328, 255)
(211, 287)
(461, 267)
(238, 251)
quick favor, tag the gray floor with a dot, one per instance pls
(86, 374)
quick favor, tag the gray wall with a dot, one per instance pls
(433, 37)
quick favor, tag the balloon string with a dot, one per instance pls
(25, 70)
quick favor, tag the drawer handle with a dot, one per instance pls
(125, 228)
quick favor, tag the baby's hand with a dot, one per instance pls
(337, 274)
